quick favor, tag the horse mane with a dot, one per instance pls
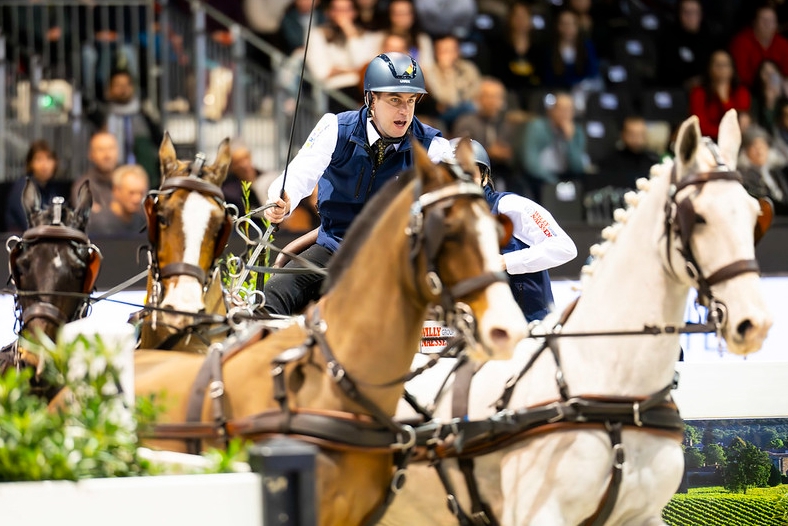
(620, 217)
(362, 225)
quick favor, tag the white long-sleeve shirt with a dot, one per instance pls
(306, 168)
(550, 246)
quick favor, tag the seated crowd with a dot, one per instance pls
(572, 99)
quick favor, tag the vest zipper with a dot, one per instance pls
(358, 183)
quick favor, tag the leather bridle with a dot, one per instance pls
(56, 232)
(680, 220)
(192, 183)
(427, 232)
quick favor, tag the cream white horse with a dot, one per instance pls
(639, 277)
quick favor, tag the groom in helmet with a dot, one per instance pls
(350, 156)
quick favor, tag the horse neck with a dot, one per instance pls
(629, 288)
(374, 316)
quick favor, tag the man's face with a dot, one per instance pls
(634, 135)
(130, 192)
(563, 110)
(393, 112)
(104, 152)
(690, 16)
(758, 152)
(491, 99)
(121, 89)
(241, 164)
(765, 24)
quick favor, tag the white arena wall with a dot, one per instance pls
(713, 384)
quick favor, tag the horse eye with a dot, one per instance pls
(700, 220)
(164, 219)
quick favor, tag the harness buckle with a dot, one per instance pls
(335, 371)
(216, 389)
(411, 439)
(558, 406)
(398, 481)
(636, 414)
(434, 283)
(618, 452)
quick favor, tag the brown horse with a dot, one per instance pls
(426, 238)
(53, 267)
(188, 227)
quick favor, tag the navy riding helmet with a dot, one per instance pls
(393, 73)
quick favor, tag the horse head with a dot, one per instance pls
(714, 223)
(53, 265)
(457, 242)
(188, 228)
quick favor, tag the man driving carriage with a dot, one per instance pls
(350, 156)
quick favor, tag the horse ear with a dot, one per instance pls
(687, 142)
(464, 155)
(221, 165)
(168, 159)
(31, 200)
(729, 138)
(83, 206)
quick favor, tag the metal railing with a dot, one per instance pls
(57, 54)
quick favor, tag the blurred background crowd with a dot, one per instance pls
(573, 99)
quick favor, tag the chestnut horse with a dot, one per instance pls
(691, 225)
(53, 267)
(426, 238)
(188, 228)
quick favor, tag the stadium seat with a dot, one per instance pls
(639, 52)
(608, 105)
(665, 104)
(601, 138)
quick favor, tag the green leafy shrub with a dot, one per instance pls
(93, 434)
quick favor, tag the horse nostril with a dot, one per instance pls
(499, 335)
(743, 327)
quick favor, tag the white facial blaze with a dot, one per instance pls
(57, 262)
(503, 313)
(185, 292)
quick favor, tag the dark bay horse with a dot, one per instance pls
(188, 228)
(53, 266)
(426, 238)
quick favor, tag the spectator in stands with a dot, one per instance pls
(241, 171)
(759, 179)
(340, 48)
(718, 92)
(685, 46)
(517, 55)
(538, 242)
(370, 15)
(491, 123)
(123, 217)
(402, 21)
(780, 130)
(570, 58)
(629, 162)
(769, 87)
(103, 156)
(133, 123)
(554, 147)
(453, 81)
(354, 149)
(41, 168)
(446, 17)
(753, 44)
(293, 29)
